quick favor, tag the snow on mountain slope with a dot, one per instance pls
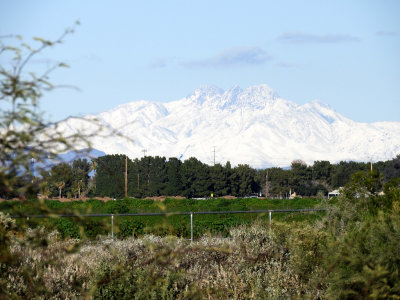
(253, 126)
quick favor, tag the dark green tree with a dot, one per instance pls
(321, 171)
(390, 169)
(278, 181)
(195, 178)
(110, 179)
(342, 172)
(135, 188)
(174, 184)
(157, 176)
(80, 177)
(219, 179)
(243, 181)
(60, 179)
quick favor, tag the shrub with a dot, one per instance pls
(141, 283)
(67, 228)
(365, 262)
(117, 207)
(129, 227)
(93, 228)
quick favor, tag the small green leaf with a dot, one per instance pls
(12, 48)
(33, 75)
(27, 46)
(63, 65)
(39, 39)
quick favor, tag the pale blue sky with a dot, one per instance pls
(343, 53)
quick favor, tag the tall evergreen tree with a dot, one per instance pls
(134, 173)
(243, 179)
(279, 182)
(219, 180)
(174, 183)
(321, 171)
(157, 176)
(195, 178)
(110, 179)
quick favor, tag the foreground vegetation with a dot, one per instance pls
(352, 252)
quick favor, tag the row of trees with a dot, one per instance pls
(152, 176)
(155, 176)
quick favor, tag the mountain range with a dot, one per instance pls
(244, 126)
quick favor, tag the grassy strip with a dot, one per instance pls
(131, 205)
(176, 225)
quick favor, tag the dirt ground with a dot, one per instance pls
(105, 199)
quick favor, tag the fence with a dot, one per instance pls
(191, 214)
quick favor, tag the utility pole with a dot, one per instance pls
(32, 168)
(144, 152)
(371, 164)
(126, 176)
(138, 177)
(266, 186)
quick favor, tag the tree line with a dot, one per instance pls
(155, 176)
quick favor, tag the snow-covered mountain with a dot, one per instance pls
(246, 126)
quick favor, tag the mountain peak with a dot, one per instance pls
(235, 89)
(206, 91)
(318, 103)
(256, 96)
(263, 91)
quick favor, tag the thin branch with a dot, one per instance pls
(44, 45)
(73, 87)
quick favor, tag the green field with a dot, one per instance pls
(178, 225)
(131, 205)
